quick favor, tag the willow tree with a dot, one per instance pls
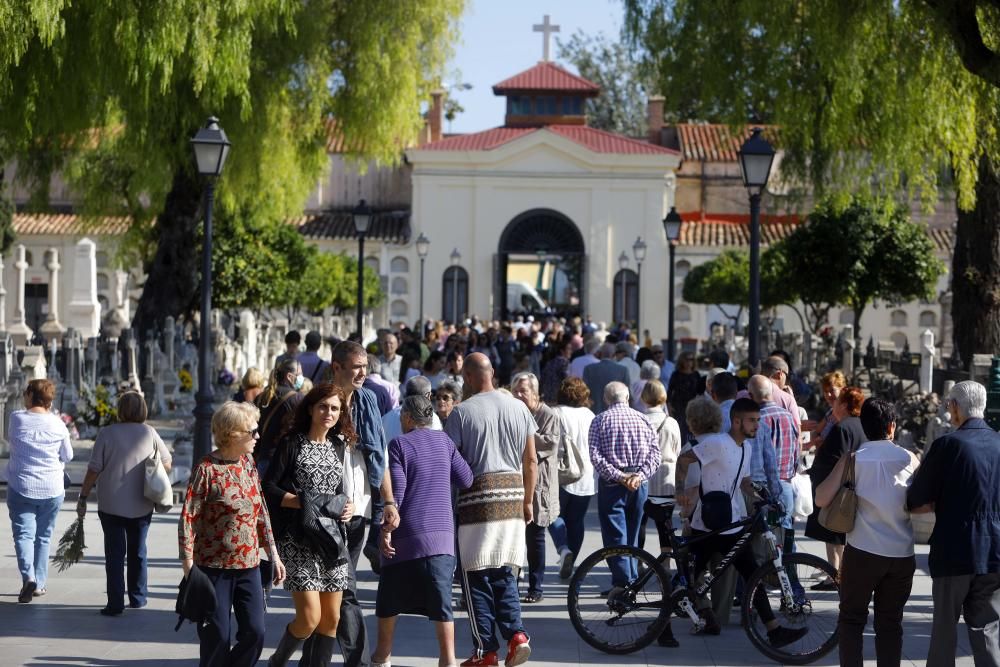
(111, 93)
(887, 95)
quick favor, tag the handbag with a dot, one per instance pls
(571, 463)
(156, 486)
(320, 522)
(717, 506)
(839, 514)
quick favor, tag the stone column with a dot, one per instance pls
(52, 329)
(926, 361)
(19, 327)
(848, 362)
(169, 330)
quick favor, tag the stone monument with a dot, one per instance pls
(84, 310)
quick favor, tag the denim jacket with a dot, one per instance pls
(371, 438)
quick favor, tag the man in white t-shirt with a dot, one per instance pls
(725, 466)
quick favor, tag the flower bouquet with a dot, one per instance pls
(186, 380)
(97, 407)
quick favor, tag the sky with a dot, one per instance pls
(496, 41)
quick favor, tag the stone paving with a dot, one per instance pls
(63, 628)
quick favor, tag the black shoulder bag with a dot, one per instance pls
(717, 506)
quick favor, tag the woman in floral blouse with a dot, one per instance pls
(224, 524)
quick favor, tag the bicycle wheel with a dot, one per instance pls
(813, 611)
(619, 620)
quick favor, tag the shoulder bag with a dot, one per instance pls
(156, 486)
(571, 464)
(717, 506)
(838, 516)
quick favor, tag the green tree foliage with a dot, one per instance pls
(724, 280)
(884, 96)
(621, 106)
(119, 88)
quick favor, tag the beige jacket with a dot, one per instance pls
(547, 439)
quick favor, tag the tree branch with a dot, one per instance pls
(959, 18)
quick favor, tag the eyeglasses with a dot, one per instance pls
(253, 434)
(445, 399)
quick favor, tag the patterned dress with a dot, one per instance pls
(317, 468)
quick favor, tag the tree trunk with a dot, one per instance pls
(975, 277)
(172, 279)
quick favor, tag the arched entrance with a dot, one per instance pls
(540, 266)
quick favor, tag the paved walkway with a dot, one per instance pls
(64, 628)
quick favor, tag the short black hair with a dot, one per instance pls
(293, 337)
(724, 386)
(741, 406)
(877, 415)
(720, 359)
(313, 341)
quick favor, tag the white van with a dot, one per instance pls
(522, 298)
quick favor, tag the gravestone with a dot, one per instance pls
(52, 328)
(33, 364)
(84, 311)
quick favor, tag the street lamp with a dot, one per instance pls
(456, 259)
(423, 245)
(622, 264)
(672, 228)
(211, 148)
(756, 156)
(639, 251)
(362, 218)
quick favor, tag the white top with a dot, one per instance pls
(356, 481)
(883, 472)
(576, 429)
(720, 457)
(669, 434)
(394, 428)
(39, 450)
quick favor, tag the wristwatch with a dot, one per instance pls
(390, 502)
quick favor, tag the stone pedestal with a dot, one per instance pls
(848, 362)
(19, 328)
(52, 328)
(33, 365)
(84, 311)
(926, 361)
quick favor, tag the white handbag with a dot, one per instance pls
(156, 486)
(802, 486)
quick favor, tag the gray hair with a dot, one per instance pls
(772, 365)
(615, 392)
(374, 365)
(760, 388)
(649, 370)
(970, 398)
(419, 409)
(417, 385)
(592, 345)
(525, 377)
(703, 416)
(452, 388)
(607, 351)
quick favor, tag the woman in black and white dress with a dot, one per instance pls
(307, 462)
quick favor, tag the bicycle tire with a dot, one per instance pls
(764, 576)
(588, 611)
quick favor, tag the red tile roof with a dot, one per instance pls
(38, 224)
(715, 143)
(546, 76)
(591, 138)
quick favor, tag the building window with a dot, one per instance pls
(545, 105)
(518, 105)
(399, 265)
(399, 286)
(899, 340)
(398, 309)
(455, 293)
(846, 316)
(625, 304)
(898, 318)
(682, 313)
(682, 268)
(572, 106)
(928, 318)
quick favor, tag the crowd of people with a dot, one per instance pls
(517, 428)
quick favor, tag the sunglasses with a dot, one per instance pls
(253, 434)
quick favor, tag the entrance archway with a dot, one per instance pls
(540, 266)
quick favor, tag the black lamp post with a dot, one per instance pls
(211, 148)
(456, 259)
(423, 245)
(622, 264)
(672, 228)
(756, 156)
(639, 252)
(362, 218)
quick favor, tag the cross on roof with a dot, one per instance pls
(546, 29)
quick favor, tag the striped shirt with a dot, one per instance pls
(621, 438)
(784, 437)
(39, 450)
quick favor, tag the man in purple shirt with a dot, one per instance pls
(625, 452)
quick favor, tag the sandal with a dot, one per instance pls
(532, 598)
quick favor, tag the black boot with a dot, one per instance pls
(287, 646)
(322, 651)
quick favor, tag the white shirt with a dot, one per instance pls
(356, 480)
(393, 427)
(882, 473)
(720, 459)
(39, 450)
(576, 428)
(669, 434)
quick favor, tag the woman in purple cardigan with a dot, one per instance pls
(418, 557)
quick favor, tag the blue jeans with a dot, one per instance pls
(125, 541)
(237, 592)
(492, 594)
(32, 521)
(568, 529)
(620, 511)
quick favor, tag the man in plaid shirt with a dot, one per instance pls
(625, 452)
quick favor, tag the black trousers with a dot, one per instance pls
(862, 575)
(237, 592)
(743, 562)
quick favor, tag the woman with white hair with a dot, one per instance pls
(648, 371)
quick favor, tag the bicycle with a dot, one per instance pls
(620, 620)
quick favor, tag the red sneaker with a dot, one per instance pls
(489, 659)
(518, 650)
